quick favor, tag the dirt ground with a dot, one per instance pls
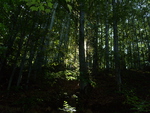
(50, 96)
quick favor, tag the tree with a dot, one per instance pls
(116, 50)
(39, 37)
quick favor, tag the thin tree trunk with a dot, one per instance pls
(107, 40)
(116, 50)
(83, 74)
(95, 55)
(53, 16)
(47, 43)
(22, 64)
(32, 54)
(15, 65)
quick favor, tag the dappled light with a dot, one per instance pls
(74, 56)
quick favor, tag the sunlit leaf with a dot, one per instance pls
(70, 7)
(33, 8)
(41, 7)
(50, 4)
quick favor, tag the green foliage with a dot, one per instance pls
(39, 5)
(71, 75)
(67, 108)
(92, 83)
(70, 7)
(67, 74)
(138, 105)
(23, 33)
(68, 0)
(2, 50)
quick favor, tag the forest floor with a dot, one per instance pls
(61, 95)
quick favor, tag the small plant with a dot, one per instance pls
(71, 75)
(67, 108)
(139, 105)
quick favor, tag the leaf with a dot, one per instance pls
(41, 7)
(32, 2)
(47, 10)
(70, 7)
(33, 8)
(50, 4)
(68, 0)
(28, 3)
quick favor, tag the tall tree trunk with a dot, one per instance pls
(116, 50)
(22, 64)
(148, 44)
(83, 76)
(53, 16)
(11, 37)
(51, 23)
(32, 54)
(20, 46)
(82, 63)
(95, 52)
(107, 38)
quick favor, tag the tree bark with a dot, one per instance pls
(82, 49)
(107, 38)
(83, 69)
(95, 52)
(116, 50)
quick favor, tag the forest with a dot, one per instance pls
(74, 56)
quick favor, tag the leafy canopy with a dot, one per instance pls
(40, 5)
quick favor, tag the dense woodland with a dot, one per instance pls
(66, 56)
